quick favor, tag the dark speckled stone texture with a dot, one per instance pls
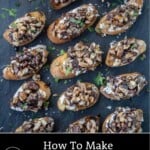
(10, 119)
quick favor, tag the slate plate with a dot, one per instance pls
(10, 119)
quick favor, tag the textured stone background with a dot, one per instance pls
(9, 119)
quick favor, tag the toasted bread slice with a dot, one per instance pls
(26, 64)
(80, 96)
(78, 59)
(124, 120)
(124, 52)
(38, 125)
(58, 4)
(88, 124)
(72, 24)
(123, 86)
(31, 96)
(120, 19)
(25, 29)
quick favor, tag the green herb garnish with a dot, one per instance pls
(68, 70)
(100, 80)
(133, 46)
(91, 29)
(143, 57)
(51, 48)
(56, 80)
(13, 25)
(62, 52)
(65, 82)
(12, 12)
(46, 104)
(135, 14)
(76, 21)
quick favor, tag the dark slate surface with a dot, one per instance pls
(10, 119)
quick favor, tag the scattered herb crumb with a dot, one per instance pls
(12, 12)
(100, 80)
(143, 57)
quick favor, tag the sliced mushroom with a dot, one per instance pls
(78, 97)
(124, 120)
(45, 124)
(123, 86)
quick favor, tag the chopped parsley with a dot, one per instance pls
(76, 21)
(68, 70)
(2, 16)
(91, 29)
(62, 52)
(143, 57)
(51, 48)
(46, 104)
(12, 12)
(56, 80)
(100, 80)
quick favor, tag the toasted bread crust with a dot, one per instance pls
(56, 68)
(62, 5)
(9, 75)
(111, 96)
(62, 107)
(37, 14)
(56, 40)
(136, 3)
(141, 49)
(109, 117)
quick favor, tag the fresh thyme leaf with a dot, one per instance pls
(143, 57)
(100, 80)
(62, 52)
(12, 12)
(56, 80)
(68, 70)
(13, 25)
(51, 48)
(135, 14)
(46, 104)
(133, 46)
(91, 29)
(23, 105)
(76, 21)
(65, 82)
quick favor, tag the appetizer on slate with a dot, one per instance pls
(89, 124)
(31, 96)
(72, 24)
(45, 124)
(120, 19)
(78, 59)
(124, 52)
(58, 4)
(80, 96)
(27, 63)
(25, 29)
(123, 86)
(124, 120)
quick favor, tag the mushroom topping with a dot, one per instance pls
(82, 58)
(119, 19)
(124, 86)
(124, 52)
(73, 23)
(29, 62)
(89, 124)
(124, 120)
(58, 2)
(31, 96)
(45, 124)
(26, 28)
(78, 97)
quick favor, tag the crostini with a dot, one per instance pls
(80, 96)
(124, 120)
(88, 124)
(123, 86)
(58, 4)
(31, 96)
(124, 52)
(120, 19)
(72, 24)
(38, 125)
(77, 60)
(25, 29)
(26, 63)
